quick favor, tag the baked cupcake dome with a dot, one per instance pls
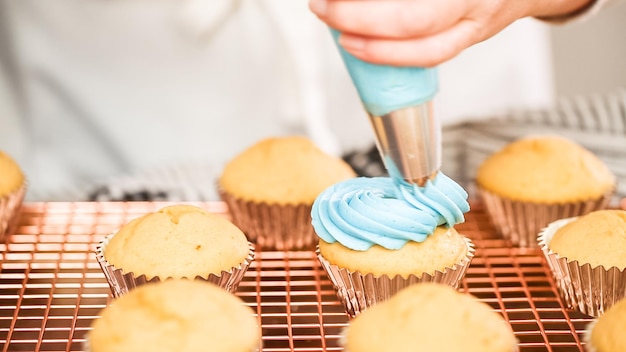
(12, 190)
(12, 177)
(597, 238)
(587, 256)
(175, 315)
(545, 169)
(538, 179)
(606, 334)
(429, 317)
(282, 170)
(178, 241)
(269, 189)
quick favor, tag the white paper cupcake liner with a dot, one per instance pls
(520, 222)
(122, 282)
(9, 211)
(358, 291)
(273, 226)
(589, 290)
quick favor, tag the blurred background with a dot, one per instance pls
(141, 100)
(590, 57)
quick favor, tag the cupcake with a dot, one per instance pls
(377, 237)
(179, 241)
(270, 187)
(536, 180)
(12, 189)
(606, 334)
(430, 317)
(587, 256)
(175, 316)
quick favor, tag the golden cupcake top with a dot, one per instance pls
(175, 316)
(598, 238)
(545, 169)
(434, 317)
(606, 334)
(11, 176)
(177, 241)
(443, 249)
(283, 170)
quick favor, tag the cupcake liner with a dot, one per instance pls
(273, 226)
(590, 290)
(122, 282)
(520, 221)
(358, 291)
(9, 210)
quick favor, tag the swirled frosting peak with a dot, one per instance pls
(362, 212)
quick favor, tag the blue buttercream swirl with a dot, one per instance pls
(364, 211)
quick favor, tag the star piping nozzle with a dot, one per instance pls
(409, 141)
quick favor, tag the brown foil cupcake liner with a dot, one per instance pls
(273, 226)
(9, 211)
(358, 291)
(122, 282)
(589, 290)
(520, 221)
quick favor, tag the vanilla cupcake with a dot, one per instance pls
(536, 180)
(430, 317)
(270, 187)
(12, 189)
(175, 316)
(587, 256)
(179, 241)
(606, 334)
(377, 237)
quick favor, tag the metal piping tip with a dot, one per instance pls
(409, 141)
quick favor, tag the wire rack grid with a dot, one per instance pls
(51, 287)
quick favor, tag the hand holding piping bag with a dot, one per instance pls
(390, 48)
(425, 33)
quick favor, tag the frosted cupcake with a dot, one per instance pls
(179, 241)
(430, 317)
(175, 316)
(377, 237)
(270, 187)
(606, 334)
(536, 180)
(12, 189)
(587, 256)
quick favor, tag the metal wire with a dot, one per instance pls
(51, 287)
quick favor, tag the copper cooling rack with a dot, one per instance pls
(51, 287)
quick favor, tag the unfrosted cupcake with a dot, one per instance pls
(536, 180)
(377, 237)
(606, 334)
(587, 256)
(175, 316)
(178, 241)
(270, 187)
(12, 189)
(430, 317)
